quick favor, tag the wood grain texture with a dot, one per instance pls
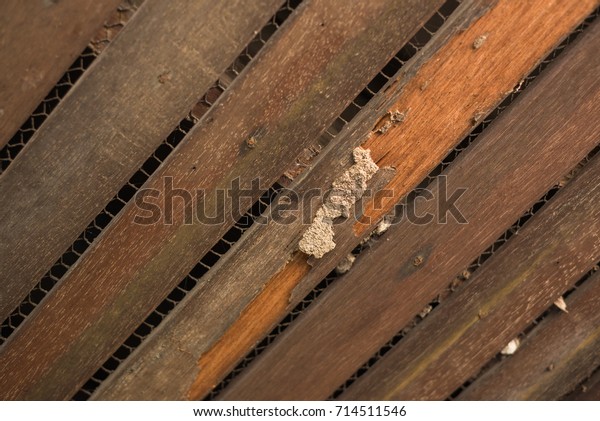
(557, 247)
(38, 42)
(212, 315)
(367, 306)
(589, 390)
(561, 352)
(207, 326)
(108, 125)
(132, 267)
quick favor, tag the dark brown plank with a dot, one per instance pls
(589, 390)
(517, 284)
(367, 306)
(133, 267)
(264, 288)
(38, 42)
(108, 126)
(561, 352)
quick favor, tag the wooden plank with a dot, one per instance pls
(133, 266)
(207, 323)
(368, 305)
(38, 42)
(517, 284)
(561, 352)
(108, 126)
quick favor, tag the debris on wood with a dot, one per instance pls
(346, 190)
(561, 304)
(397, 116)
(425, 311)
(164, 77)
(383, 129)
(318, 238)
(251, 142)
(345, 265)
(383, 225)
(477, 117)
(511, 347)
(479, 41)
(418, 261)
(391, 118)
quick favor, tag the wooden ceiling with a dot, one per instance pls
(491, 105)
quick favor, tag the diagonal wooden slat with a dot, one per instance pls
(517, 284)
(561, 352)
(367, 306)
(119, 112)
(38, 42)
(283, 102)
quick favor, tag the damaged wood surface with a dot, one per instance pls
(132, 267)
(207, 325)
(38, 42)
(558, 246)
(554, 358)
(274, 123)
(109, 124)
(528, 29)
(367, 306)
(213, 308)
(426, 152)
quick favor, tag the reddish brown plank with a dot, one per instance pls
(367, 306)
(38, 42)
(109, 124)
(207, 325)
(132, 267)
(561, 352)
(516, 285)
